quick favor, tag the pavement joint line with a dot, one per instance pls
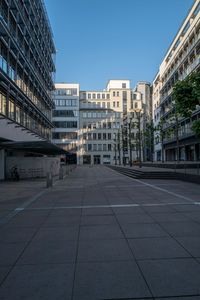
(17, 210)
(110, 206)
(164, 190)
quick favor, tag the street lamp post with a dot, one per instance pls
(119, 146)
(115, 140)
(138, 113)
(130, 142)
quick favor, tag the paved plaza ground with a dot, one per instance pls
(100, 235)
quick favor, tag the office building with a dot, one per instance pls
(26, 77)
(66, 119)
(182, 58)
(108, 132)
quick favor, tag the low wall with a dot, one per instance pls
(32, 167)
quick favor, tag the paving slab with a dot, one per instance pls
(98, 220)
(65, 233)
(191, 244)
(104, 250)
(138, 230)
(96, 232)
(3, 272)
(44, 252)
(35, 282)
(182, 228)
(134, 218)
(113, 280)
(172, 277)
(157, 248)
(16, 235)
(10, 252)
(170, 217)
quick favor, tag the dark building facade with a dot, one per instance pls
(26, 81)
(26, 66)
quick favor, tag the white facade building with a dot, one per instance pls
(106, 133)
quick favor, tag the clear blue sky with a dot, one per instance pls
(99, 40)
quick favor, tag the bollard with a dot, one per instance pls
(61, 173)
(49, 180)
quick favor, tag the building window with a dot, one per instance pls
(113, 103)
(117, 94)
(98, 96)
(2, 104)
(104, 147)
(65, 124)
(11, 110)
(93, 96)
(89, 96)
(65, 113)
(99, 136)
(104, 136)
(117, 103)
(64, 135)
(109, 136)
(124, 85)
(113, 94)
(109, 147)
(107, 96)
(94, 136)
(108, 105)
(94, 147)
(103, 96)
(99, 147)
(89, 147)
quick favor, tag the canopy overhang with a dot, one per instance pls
(36, 147)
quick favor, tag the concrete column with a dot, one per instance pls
(2, 164)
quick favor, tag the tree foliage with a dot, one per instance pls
(186, 94)
(196, 127)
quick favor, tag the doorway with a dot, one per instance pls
(97, 159)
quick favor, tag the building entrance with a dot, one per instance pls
(86, 159)
(97, 159)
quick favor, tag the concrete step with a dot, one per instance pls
(139, 174)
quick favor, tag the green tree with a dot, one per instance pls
(186, 94)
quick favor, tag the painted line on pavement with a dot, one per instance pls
(111, 206)
(166, 191)
(156, 187)
(17, 210)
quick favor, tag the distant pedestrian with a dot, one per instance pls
(15, 173)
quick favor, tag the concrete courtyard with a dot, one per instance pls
(100, 235)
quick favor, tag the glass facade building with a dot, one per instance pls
(26, 66)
